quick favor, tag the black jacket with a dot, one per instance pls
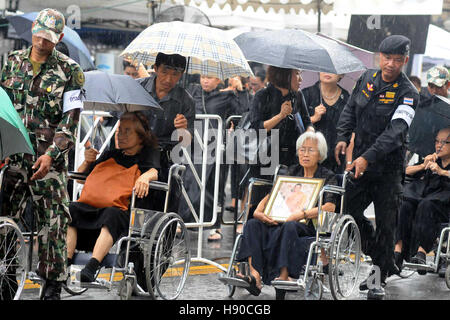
(327, 124)
(178, 101)
(380, 115)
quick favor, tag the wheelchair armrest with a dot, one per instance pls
(158, 185)
(77, 175)
(259, 182)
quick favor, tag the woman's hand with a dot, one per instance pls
(429, 158)
(90, 155)
(142, 183)
(435, 168)
(264, 218)
(319, 111)
(286, 109)
(296, 216)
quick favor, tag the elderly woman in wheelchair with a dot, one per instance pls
(270, 247)
(425, 209)
(100, 217)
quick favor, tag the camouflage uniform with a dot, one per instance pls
(39, 101)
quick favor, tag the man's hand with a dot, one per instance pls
(44, 163)
(180, 122)
(341, 148)
(360, 165)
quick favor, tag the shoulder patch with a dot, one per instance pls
(78, 77)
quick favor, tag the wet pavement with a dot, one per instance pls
(203, 283)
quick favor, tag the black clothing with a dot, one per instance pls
(224, 104)
(267, 104)
(89, 220)
(426, 204)
(283, 245)
(431, 116)
(327, 124)
(380, 137)
(177, 101)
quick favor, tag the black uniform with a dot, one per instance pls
(380, 114)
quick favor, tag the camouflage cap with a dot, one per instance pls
(49, 25)
(438, 76)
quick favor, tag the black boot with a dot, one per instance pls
(52, 290)
(87, 274)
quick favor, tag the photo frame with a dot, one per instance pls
(290, 194)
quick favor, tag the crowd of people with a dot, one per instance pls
(323, 130)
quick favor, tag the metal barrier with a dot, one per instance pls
(206, 119)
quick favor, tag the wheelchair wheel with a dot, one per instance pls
(167, 258)
(345, 258)
(13, 260)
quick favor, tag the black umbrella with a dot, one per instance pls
(297, 49)
(428, 120)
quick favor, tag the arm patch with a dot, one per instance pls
(404, 112)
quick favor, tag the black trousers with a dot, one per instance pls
(419, 223)
(384, 190)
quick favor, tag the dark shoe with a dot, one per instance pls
(87, 275)
(376, 294)
(420, 258)
(230, 208)
(251, 280)
(398, 256)
(52, 290)
(393, 270)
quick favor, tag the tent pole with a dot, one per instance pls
(318, 15)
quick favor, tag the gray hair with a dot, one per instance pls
(317, 137)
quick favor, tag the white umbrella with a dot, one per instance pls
(209, 51)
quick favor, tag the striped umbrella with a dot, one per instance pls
(209, 50)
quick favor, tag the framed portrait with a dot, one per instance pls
(292, 194)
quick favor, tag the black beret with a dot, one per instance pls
(395, 44)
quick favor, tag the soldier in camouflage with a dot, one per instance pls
(36, 80)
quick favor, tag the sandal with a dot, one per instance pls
(251, 280)
(214, 232)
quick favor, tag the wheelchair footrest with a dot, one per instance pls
(82, 258)
(231, 281)
(94, 285)
(286, 285)
(416, 266)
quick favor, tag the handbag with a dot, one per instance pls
(109, 185)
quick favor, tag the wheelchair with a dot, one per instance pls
(337, 235)
(163, 250)
(441, 252)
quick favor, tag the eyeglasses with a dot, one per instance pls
(443, 142)
(309, 150)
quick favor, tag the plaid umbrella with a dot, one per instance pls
(209, 50)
